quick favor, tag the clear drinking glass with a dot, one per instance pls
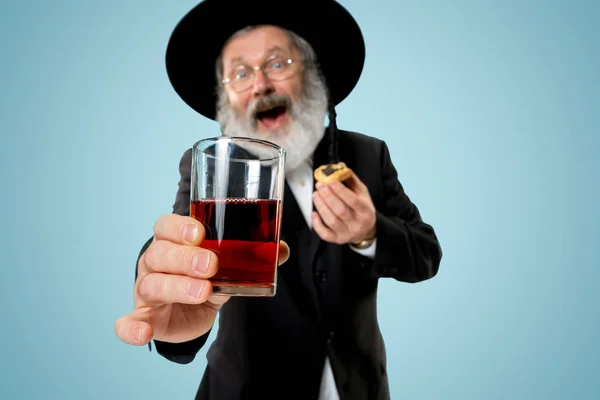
(237, 187)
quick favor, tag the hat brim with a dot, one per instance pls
(198, 38)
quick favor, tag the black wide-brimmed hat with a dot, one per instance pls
(199, 37)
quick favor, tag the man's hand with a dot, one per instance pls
(173, 299)
(345, 214)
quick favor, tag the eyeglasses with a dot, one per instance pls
(276, 68)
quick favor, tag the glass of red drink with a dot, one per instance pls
(236, 192)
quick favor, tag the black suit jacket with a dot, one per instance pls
(326, 301)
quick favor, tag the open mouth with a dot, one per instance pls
(272, 118)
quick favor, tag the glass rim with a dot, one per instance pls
(232, 139)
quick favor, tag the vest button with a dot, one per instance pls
(323, 277)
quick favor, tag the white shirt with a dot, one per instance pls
(300, 181)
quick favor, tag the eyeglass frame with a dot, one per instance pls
(289, 61)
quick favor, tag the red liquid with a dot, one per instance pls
(244, 234)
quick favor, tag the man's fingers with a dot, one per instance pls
(334, 200)
(356, 185)
(268, 253)
(352, 199)
(327, 215)
(172, 258)
(133, 329)
(324, 233)
(158, 288)
(179, 229)
(217, 300)
(284, 252)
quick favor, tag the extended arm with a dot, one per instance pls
(185, 352)
(407, 248)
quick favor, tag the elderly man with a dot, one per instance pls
(278, 75)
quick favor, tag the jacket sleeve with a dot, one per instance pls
(407, 248)
(181, 353)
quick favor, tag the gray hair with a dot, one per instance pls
(308, 55)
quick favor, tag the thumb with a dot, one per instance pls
(284, 252)
(356, 185)
(134, 329)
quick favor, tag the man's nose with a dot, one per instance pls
(262, 84)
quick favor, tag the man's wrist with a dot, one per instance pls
(367, 241)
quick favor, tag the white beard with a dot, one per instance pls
(300, 137)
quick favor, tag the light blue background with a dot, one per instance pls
(491, 111)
